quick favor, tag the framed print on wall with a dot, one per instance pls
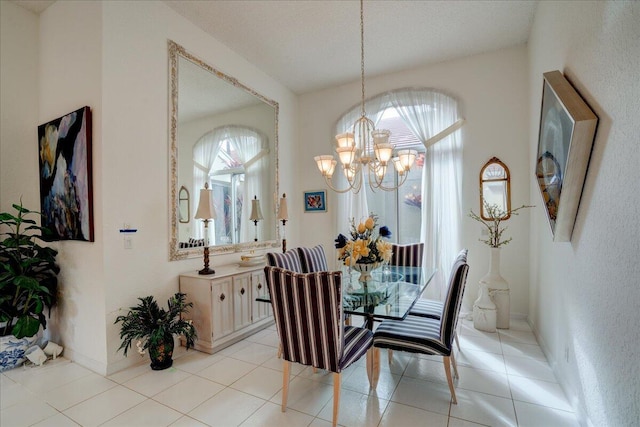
(565, 139)
(66, 193)
(315, 201)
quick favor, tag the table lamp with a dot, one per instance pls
(256, 214)
(206, 212)
(283, 215)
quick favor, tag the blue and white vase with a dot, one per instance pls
(12, 351)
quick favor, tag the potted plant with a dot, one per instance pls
(28, 283)
(154, 327)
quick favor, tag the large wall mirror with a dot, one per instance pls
(224, 134)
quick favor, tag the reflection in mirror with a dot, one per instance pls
(224, 134)
(184, 213)
(495, 187)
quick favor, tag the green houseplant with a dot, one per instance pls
(28, 282)
(154, 327)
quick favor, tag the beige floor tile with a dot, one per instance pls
(483, 381)
(306, 396)
(26, 413)
(77, 391)
(188, 394)
(149, 413)
(484, 409)
(356, 409)
(401, 415)
(538, 392)
(530, 415)
(261, 382)
(103, 407)
(427, 395)
(227, 408)
(154, 382)
(270, 415)
(227, 371)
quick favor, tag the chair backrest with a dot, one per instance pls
(289, 260)
(308, 312)
(452, 303)
(407, 256)
(313, 259)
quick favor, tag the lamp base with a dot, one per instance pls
(206, 270)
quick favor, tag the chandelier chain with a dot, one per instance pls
(362, 52)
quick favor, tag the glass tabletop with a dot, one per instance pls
(390, 293)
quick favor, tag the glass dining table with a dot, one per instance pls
(389, 294)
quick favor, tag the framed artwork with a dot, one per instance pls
(66, 193)
(315, 201)
(565, 139)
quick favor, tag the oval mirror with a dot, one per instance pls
(226, 135)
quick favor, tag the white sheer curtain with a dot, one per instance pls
(205, 151)
(427, 113)
(252, 148)
(352, 205)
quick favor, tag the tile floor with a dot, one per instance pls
(504, 380)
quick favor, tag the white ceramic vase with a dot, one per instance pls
(484, 311)
(498, 290)
(365, 270)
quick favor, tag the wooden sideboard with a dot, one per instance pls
(225, 309)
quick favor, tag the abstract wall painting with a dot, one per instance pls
(66, 194)
(567, 130)
(315, 201)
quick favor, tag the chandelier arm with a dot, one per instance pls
(352, 187)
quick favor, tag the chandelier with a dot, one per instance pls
(365, 150)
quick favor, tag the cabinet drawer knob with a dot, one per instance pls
(242, 291)
(259, 285)
(222, 297)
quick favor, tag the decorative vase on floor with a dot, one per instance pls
(484, 311)
(498, 290)
(161, 353)
(12, 351)
(365, 270)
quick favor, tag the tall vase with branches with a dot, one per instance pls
(495, 284)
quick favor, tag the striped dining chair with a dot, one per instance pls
(425, 335)
(407, 256)
(433, 308)
(308, 313)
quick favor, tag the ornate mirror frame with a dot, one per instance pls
(175, 253)
(497, 173)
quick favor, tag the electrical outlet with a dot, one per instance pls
(566, 353)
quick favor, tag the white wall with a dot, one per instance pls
(18, 106)
(113, 57)
(584, 294)
(492, 92)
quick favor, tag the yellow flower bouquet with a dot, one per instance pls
(366, 245)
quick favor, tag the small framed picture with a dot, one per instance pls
(315, 201)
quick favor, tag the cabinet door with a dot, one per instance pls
(199, 293)
(242, 301)
(222, 307)
(261, 310)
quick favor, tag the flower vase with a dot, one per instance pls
(484, 311)
(498, 289)
(365, 270)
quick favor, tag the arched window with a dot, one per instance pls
(227, 157)
(427, 207)
(495, 188)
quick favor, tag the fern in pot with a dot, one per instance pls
(153, 329)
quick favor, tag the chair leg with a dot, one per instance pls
(336, 397)
(279, 350)
(447, 371)
(455, 365)
(373, 366)
(347, 321)
(285, 384)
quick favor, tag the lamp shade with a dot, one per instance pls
(256, 212)
(283, 213)
(205, 204)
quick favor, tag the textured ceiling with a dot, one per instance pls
(310, 45)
